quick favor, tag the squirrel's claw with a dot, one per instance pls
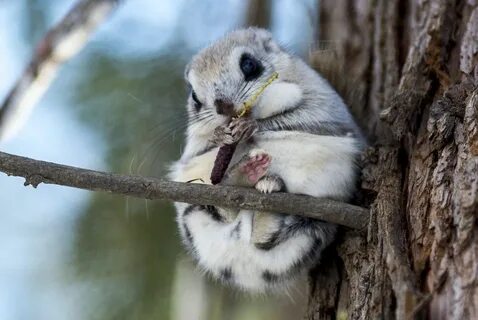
(243, 128)
(237, 130)
(222, 135)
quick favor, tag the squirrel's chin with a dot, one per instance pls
(223, 119)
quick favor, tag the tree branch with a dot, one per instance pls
(36, 172)
(60, 44)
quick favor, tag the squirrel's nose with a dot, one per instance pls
(224, 107)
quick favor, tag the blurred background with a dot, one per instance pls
(119, 106)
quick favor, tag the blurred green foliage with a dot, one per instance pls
(128, 247)
(125, 251)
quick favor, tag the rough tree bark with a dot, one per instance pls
(414, 64)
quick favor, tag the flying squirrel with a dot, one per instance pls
(298, 137)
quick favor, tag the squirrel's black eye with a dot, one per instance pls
(250, 67)
(197, 103)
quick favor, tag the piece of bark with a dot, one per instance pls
(222, 161)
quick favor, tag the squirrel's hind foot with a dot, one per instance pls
(255, 165)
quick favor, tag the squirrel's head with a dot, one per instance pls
(224, 75)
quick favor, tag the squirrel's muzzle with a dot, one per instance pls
(224, 107)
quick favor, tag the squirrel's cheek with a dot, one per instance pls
(277, 98)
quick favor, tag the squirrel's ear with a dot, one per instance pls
(267, 41)
(186, 72)
(270, 45)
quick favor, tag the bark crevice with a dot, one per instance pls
(420, 255)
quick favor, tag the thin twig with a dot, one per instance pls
(36, 172)
(60, 44)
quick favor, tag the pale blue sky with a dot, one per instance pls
(35, 228)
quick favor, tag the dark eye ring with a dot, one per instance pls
(197, 103)
(250, 67)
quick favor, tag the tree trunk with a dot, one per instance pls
(413, 65)
(258, 13)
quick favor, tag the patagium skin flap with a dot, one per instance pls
(260, 117)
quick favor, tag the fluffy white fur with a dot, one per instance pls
(278, 97)
(321, 165)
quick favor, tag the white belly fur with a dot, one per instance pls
(320, 166)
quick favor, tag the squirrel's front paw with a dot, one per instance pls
(269, 184)
(237, 130)
(242, 128)
(222, 135)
